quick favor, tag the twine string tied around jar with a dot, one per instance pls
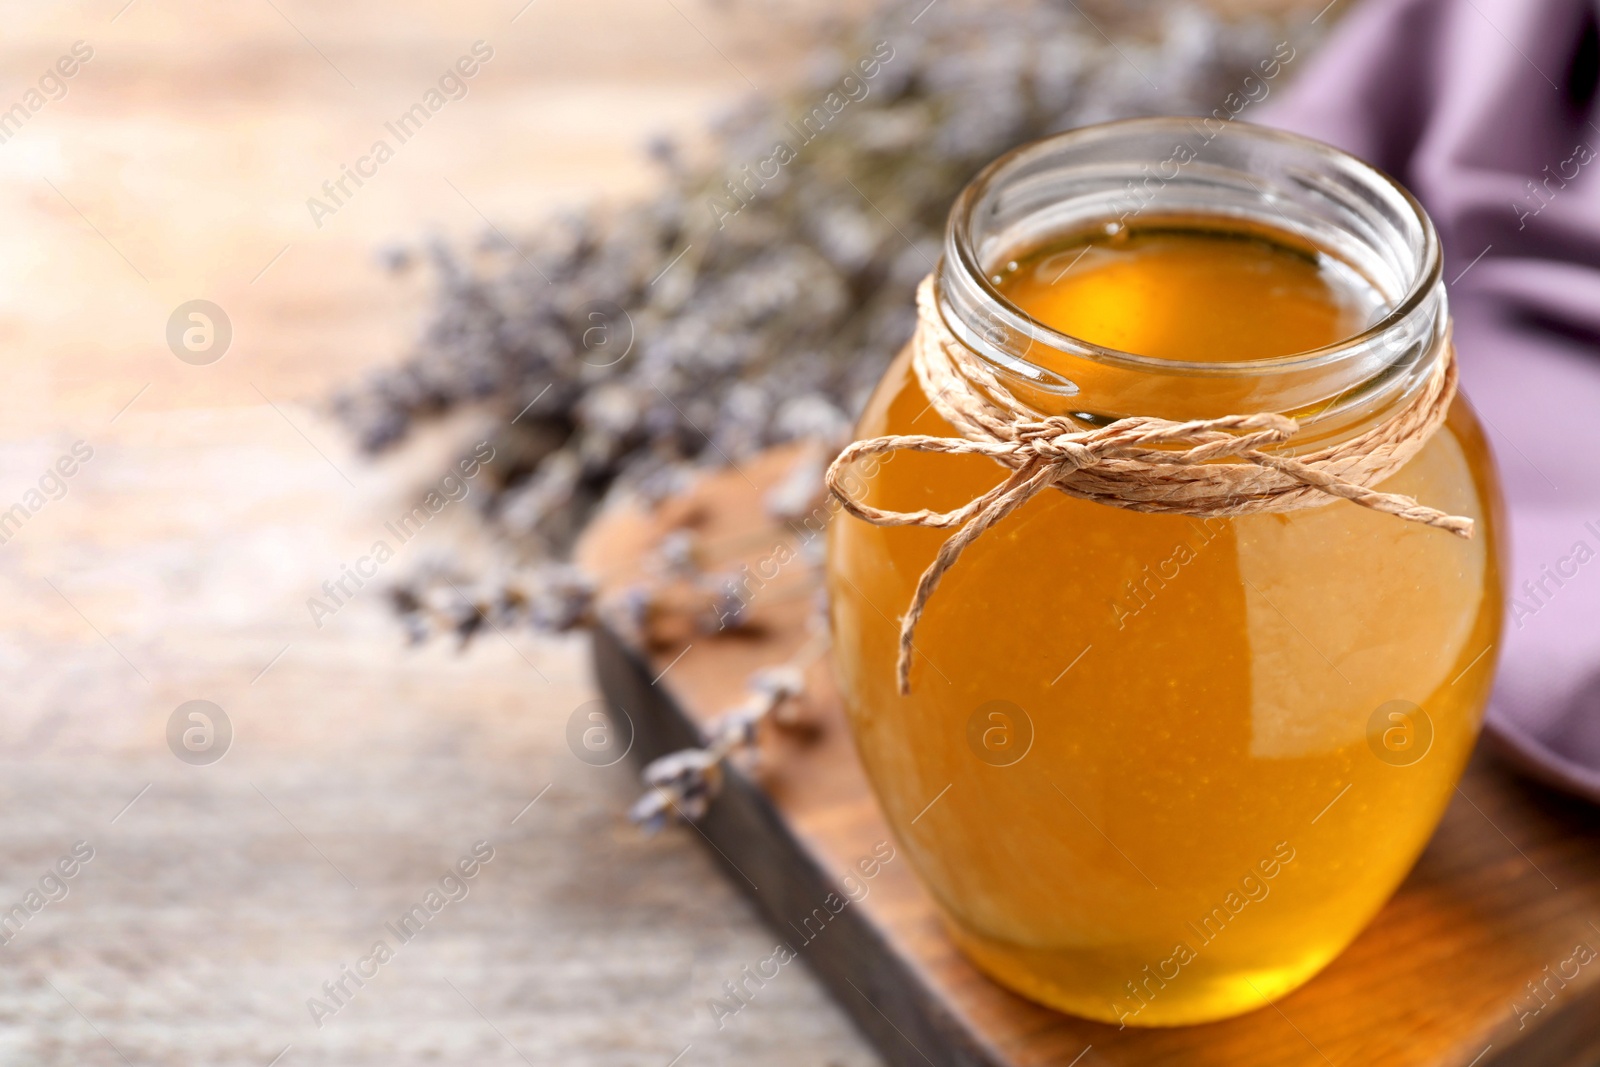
(1202, 467)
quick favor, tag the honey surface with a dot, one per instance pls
(1178, 763)
(1195, 295)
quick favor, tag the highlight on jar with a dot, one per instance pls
(1174, 550)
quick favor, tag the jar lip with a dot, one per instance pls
(959, 241)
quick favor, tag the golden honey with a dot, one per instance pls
(1158, 769)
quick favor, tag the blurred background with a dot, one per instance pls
(349, 771)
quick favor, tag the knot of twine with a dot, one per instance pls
(1138, 463)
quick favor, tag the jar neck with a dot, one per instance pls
(1138, 171)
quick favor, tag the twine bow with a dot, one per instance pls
(1138, 463)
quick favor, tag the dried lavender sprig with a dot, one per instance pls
(681, 785)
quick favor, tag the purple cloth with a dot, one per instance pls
(1486, 110)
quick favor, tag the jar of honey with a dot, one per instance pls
(1159, 768)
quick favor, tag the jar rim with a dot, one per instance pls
(960, 244)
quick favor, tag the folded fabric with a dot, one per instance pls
(1485, 109)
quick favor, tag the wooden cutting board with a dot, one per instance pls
(1504, 895)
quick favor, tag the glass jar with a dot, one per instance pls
(1158, 769)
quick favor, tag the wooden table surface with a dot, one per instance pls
(177, 566)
